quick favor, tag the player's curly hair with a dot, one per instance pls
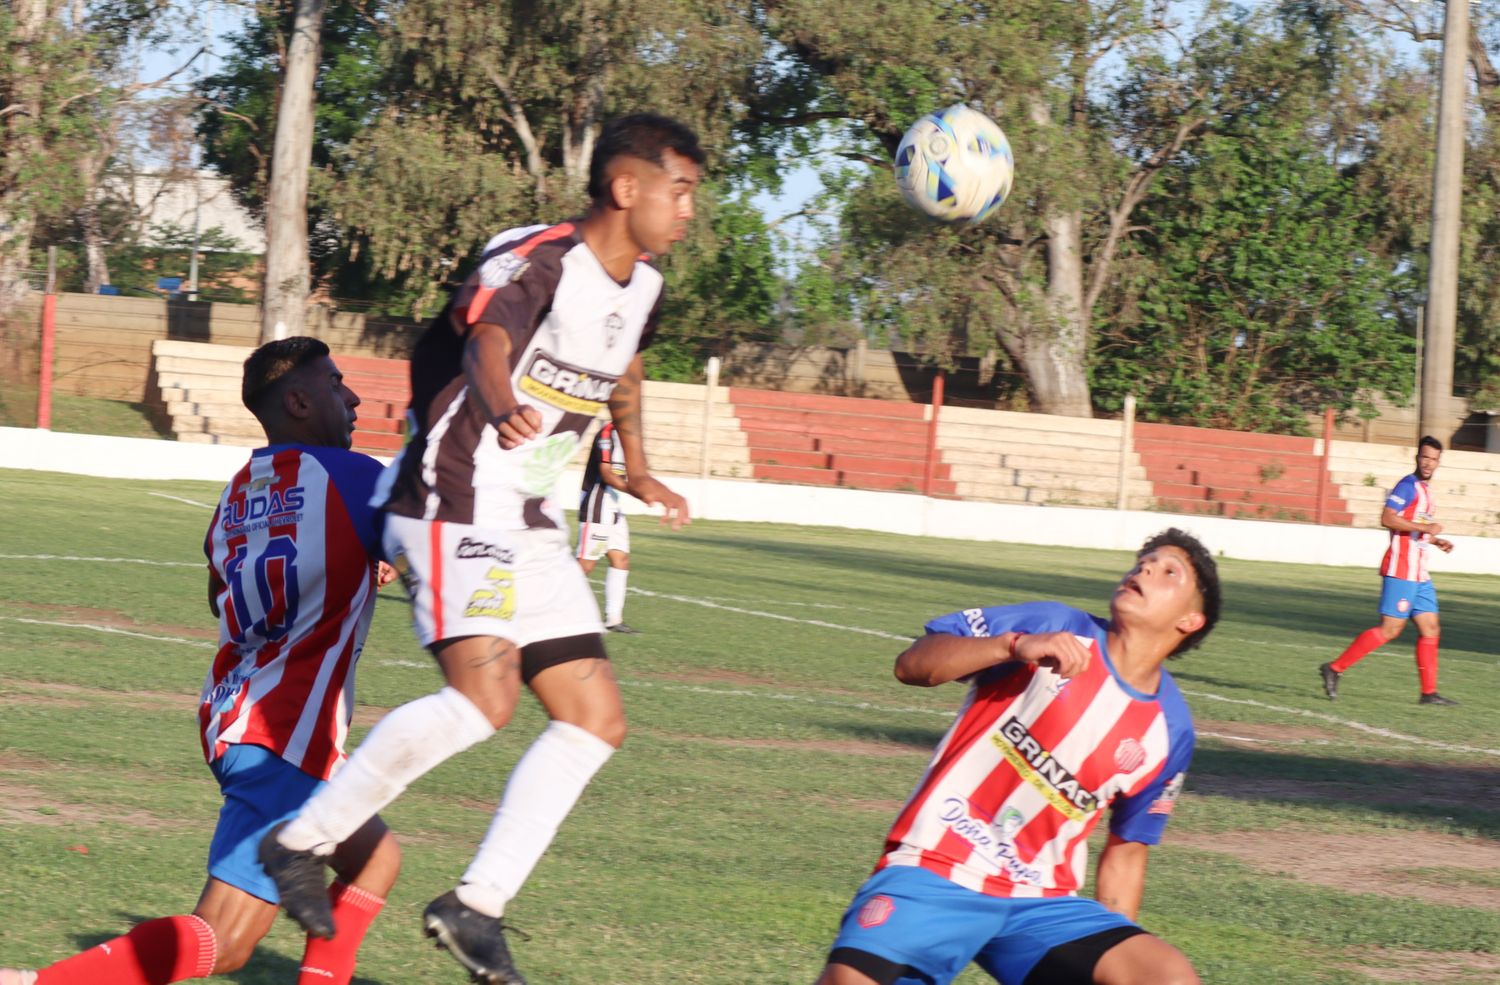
(270, 365)
(647, 136)
(1205, 572)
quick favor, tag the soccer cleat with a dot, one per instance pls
(1330, 681)
(15, 976)
(1433, 698)
(620, 627)
(299, 881)
(476, 941)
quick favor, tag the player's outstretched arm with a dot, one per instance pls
(1121, 879)
(625, 410)
(938, 658)
(1395, 522)
(486, 364)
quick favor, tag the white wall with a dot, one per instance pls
(857, 509)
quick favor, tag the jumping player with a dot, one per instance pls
(545, 333)
(292, 579)
(1066, 714)
(1406, 590)
(602, 531)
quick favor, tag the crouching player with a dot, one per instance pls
(1067, 713)
(292, 577)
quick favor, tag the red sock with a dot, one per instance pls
(169, 949)
(1364, 644)
(1427, 647)
(332, 962)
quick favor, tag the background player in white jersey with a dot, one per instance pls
(602, 530)
(1406, 590)
(292, 580)
(542, 336)
(1066, 714)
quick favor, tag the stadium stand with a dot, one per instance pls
(1466, 487)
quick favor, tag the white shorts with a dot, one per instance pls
(465, 580)
(597, 539)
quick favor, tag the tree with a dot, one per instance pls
(288, 272)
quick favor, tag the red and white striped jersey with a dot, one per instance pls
(1010, 796)
(289, 554)
(1406, 557)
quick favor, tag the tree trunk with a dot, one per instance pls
(97, 265)
(23, 90)
(284, 305)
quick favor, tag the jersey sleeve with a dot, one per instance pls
(1027, 617)
(1142, 816)
(354, 476)
(648, 331)
(1402, 495)
(514, 285)
(614, 455)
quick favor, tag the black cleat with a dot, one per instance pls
(621, 627)
(299, 881)
(1434, 698)
(476, 941)
(1330, 681)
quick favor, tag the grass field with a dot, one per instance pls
(770, 748)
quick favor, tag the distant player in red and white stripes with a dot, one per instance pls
(292, 577)
(1406, 591)
(1066, 714)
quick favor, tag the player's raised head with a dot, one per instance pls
(645, 172)
(297, 393)
(1173, 588)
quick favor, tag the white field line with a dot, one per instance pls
(857, 705)
(94, 627)
(105, 560)
(179, 499)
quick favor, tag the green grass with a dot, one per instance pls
(766, 760)
(80, 415)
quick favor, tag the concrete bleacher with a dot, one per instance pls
(1009, 457)
(1238, 474)
(1466, 487)
(860, 443)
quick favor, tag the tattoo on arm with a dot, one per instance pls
(625, 410)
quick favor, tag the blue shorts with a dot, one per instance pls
(1402, 599)
(913, 917)
(260, 790)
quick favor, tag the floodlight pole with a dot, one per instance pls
(1447, 202)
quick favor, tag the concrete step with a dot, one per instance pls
(1174, 435)
(962, 435)
(988, 420)
(824, 404)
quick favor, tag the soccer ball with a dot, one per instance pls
(955, 165)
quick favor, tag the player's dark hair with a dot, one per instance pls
(269, 366)
(1205, 572)
(646, 136)
(1428, 441)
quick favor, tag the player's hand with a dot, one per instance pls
(1063, 652)
(517, 426)
(384, 574)
(1443, 544)
(1432, 530)
(652, 492)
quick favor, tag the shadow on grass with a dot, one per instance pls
(263, 968)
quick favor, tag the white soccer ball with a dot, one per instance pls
(955, 165)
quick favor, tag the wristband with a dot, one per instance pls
(1013, 641)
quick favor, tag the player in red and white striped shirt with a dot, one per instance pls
(1066, 714)
(1406, 590)
(292, 577)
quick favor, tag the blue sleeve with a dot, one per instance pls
(1403, 494)
(354, 476)
(1143, 816)
(1027, 617)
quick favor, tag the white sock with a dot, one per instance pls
(614, 595)
(543, 788)
(404, 745)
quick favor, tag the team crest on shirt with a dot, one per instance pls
(613, 326)
(500, 270)
(876, 911)
(1129, 755)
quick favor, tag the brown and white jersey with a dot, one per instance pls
(573, 331)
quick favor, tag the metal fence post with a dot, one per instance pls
(708, 417)
(1127, 441)
(932, 432)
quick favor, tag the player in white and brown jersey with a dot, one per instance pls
(545, 333)
(1067, 714)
